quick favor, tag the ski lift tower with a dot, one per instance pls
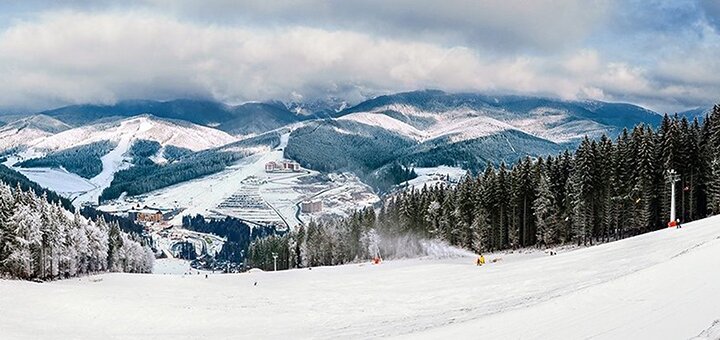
(672, 177)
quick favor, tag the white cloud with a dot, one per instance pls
(65, 57)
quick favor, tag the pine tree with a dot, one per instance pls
(714, 188)
(583, 186)
(7, 232)
(481, 239)
(645, 179)
(545, 212)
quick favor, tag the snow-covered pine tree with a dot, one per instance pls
(545, 213)
(714, 187)
(500, 196)
(24, 249)
(583, 185)
(7, 232)
(713, 159)
(481, 230)
(646, 181)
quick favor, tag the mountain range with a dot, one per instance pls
(419, 128)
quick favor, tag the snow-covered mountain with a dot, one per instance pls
(164, 131)
(430, 114)
(29, 130)
(245, 119)
(97, 152)
(319, 108)
(421, 128)
(432, 128)
(698, 112)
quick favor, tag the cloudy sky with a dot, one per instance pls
(664, 55)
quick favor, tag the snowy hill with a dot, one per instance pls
(699, 113)
(147, 127)
(29, 130)
(244, 119)
(367, 143)
(433, 128)
(120, 136)
(431, 114)
(658, 285)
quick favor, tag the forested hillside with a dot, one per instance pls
(238, 234)
(146, 175)
(476, 154)
(83, 160)
(41, 240)
(605, 190)
(367, 151)
(330, 145)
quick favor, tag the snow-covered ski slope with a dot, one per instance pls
(661, 285)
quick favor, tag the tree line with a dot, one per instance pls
(238, 235)
(41, 240)
(606, 190)
(84, 160)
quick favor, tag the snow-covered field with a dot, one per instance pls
(63, 182)
(662, 285)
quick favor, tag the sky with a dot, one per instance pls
(664, 55)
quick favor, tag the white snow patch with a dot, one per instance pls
(386, 122)
(176, 267)
(62, 181)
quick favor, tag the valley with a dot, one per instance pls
(278, 194)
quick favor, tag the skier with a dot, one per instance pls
(480, 260)
(677, 222)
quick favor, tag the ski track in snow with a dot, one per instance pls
(112, 163)
(629, 289)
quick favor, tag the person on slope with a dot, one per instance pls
(480, 260)
(677, 223)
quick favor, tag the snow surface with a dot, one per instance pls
(661, 285)
(63, 182)
(436, 175)
(176, 267)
